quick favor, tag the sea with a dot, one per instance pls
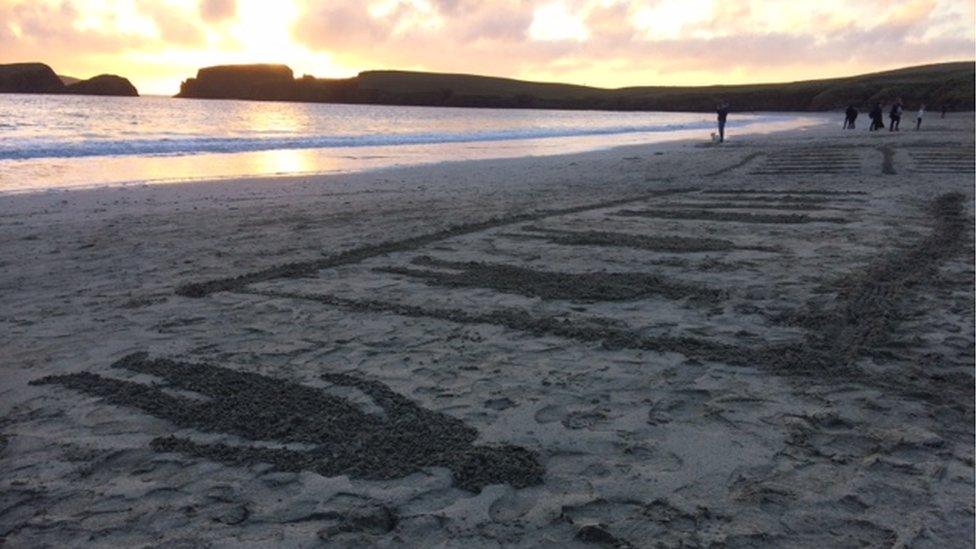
(56, 142)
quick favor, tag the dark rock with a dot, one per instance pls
(103, 84)
(241, 82)
(29, 78)
(40, 78)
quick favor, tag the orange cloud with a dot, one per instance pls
(217, 10)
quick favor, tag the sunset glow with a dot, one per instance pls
(598, 42)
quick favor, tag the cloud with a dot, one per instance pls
(341, 26)
(554, 22)
(175, 27)
(598, 42)
(642, 41)
(29, 28)
(214, 11)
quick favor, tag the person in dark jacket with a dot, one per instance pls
(850, 118)
(877, 117)
(895, 116)
(723, 115)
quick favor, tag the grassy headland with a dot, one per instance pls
(944, 84)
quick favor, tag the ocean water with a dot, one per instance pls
(55, 142)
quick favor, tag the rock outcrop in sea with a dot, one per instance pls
(240, 82)
(40, 78)
(29, 78)
(103, 84)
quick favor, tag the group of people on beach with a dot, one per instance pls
(877, 116)
(850, 119)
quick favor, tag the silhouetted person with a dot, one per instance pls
(877, 114)
(851, 117)
(723, 115)
(918, 117)
(895, 115)
(944, 109)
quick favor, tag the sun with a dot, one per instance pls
(262, 30)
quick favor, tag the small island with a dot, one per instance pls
(40, 78)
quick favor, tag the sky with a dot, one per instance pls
(607, 43)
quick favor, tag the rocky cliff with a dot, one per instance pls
(240, 82)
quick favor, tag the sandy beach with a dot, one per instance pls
(767, 343)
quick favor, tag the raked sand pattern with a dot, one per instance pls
(765, 344)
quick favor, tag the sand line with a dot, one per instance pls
(783, 205)
(827, 167)
(776, 192)
(552, 285)
(734, 217)
(846, 162)
(804, 170)
(745, 160)
(812, 161)
(811, 169)
(308, 268)
(944, 161)
(861, 318)
(782, 198)
(658, 243)
(942, 165)
(604, 331)
(346, 440)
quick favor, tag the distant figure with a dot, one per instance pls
(918, 117)
(851, 117)
(723, 115)
(944, 109)
(877, 117)
(895, 115)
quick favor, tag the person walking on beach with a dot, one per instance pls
(944, 109)
(877, 121)
(723, 115)
(918, 117)
(895, 115)
(851, 118)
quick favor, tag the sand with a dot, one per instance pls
(766, 343)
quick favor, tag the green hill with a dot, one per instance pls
(949, 84)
